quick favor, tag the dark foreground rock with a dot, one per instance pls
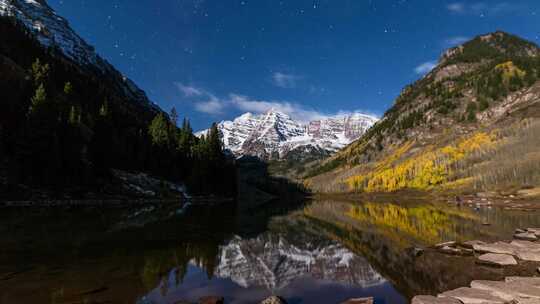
(211, 300)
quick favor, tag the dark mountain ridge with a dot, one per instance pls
(66, 123)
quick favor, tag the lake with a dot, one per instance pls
(317, 251)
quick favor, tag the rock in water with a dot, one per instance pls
(499, 248)
(473, 296)
(359, 301)
(526, 255)
(433, 300)
(526, 236)
(497, 259)
(273, 300)
(508, 290)
(211, 300)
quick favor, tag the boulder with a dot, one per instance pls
(359, 301)
(497, 259)
(211, 300)
(433, 300)
(273, 300)
(473, 296)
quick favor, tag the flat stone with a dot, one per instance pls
(446, 244)
(528, 255)
(536, 231)
(528, 245)
(497, 259)
(450, 250)
(470, 244)
(433, 300)
(273, 300)
(498, 247)
(473, 296)
(359, 301)
(508, 290)
(526, 236)
(535, 282)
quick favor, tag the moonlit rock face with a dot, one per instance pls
(273, 135)
(50, 29)
(53, 31)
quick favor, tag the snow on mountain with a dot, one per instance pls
(53, 32)
(274, 262)
(275, 135)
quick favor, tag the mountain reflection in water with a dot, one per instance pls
(315, 252)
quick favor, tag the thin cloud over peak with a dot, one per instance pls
(284, 80)
(425, 67)
(189, 90)
(214, 105)
(490, 8)
(456, 40)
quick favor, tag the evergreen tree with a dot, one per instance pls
(38, 101)
(173, 115)
(159, 130)
(40, 72)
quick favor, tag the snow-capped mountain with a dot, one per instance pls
(274, 262)
(275, 135)
(53, 32)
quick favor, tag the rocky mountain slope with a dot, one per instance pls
(274, 135)
(53, 32)
(468, 125)
(69, 118)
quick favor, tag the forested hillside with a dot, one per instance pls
(471, 124)
(64, 126)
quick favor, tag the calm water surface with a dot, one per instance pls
(313, 252)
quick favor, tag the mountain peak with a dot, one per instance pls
(490, 46)
(275, 134)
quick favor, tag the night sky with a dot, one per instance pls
(216, 59)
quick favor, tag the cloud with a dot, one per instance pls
(188, 90)
(294, 110)
(456, 7)
(483, 8)
(206, 102)
(210, 103)
(425, 67)
(212, 106)
(456, 40)
(286, 81)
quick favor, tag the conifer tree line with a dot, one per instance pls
(63, 127)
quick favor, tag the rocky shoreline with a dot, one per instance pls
(524, 250)
(270, 300)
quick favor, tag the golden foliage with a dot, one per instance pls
(509, 70)
(432, 167)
